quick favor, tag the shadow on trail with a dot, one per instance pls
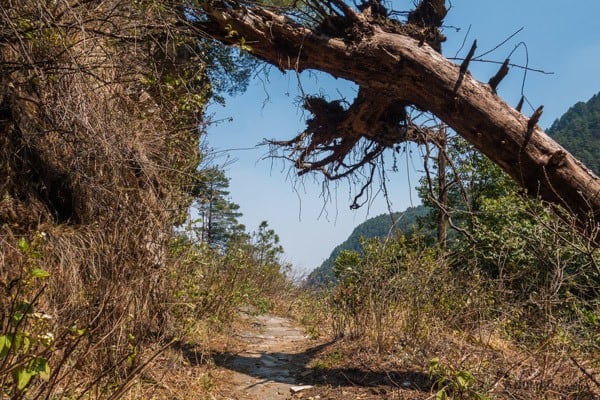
(291, 368)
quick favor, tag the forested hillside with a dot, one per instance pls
(380, 226)
(578, 130)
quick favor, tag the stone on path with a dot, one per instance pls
(296, 389)
(273, 360)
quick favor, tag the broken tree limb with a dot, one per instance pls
(519, 106)
(398, 66)
(501, 74)
(338, 141)
(535, 118)
(464, 66)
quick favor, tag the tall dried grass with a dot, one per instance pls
(518, 308)
(99, 113)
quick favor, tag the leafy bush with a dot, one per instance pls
(452, 383)
(209, 284)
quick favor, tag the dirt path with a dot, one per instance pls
(275, 357)
(272, 363)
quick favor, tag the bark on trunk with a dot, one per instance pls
(400, 67)
(442, 217)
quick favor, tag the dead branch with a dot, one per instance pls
(417, 74)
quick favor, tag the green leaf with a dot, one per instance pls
(441, 395)
(131, 358)
(21, 342)
(39, 273)
(5, 345)
(39, 366)
(433, 365)
(23, 245)
(464, 379)
(77, 331)
(23, 376)
(20, 311)
(17, 317)
(35, 254)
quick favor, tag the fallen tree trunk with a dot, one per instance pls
(401, 67)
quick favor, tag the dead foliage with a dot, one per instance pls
(100, 104)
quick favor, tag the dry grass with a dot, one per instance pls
(96, 161)
(401, 305)
(351, 368)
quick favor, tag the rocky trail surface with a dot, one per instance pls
(272, 364)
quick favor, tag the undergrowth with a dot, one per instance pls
(494, 318)
(101, 111)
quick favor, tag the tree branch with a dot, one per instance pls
(417, 74)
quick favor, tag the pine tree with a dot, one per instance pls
(217, 214)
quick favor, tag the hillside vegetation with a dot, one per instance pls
(101, 271)
(578, 130)
(515, 291)
(381, 226)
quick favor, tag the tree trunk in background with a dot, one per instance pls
(398, 66)
(442, 222)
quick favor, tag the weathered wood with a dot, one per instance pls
(501, 74)
(398, 66)
(464, 66)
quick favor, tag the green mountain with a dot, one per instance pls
(380, 226)
(578, 130)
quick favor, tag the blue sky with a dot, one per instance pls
(561, 37)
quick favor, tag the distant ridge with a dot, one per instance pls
(379, 226)
(578, 131)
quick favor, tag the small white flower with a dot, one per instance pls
(40, 315)
(47, 337)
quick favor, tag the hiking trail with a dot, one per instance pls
(272, 364)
